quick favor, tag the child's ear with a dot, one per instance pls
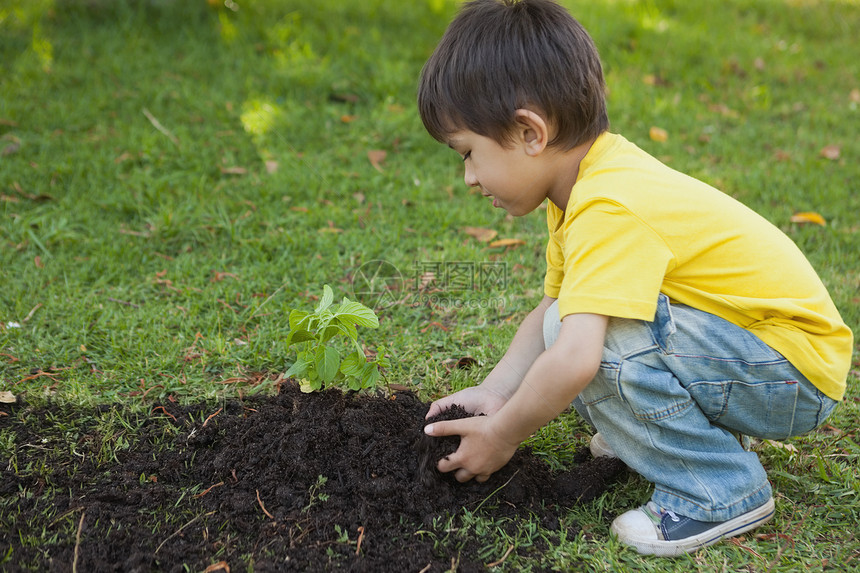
(532, 131)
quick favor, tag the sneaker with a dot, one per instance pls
(600, 448)
(654, 531)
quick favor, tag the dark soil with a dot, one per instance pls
(296, 482)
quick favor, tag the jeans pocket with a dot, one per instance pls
(663, 325)
(773, 410)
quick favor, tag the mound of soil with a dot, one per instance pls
(296, 482)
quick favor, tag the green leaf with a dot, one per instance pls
(327, 362)
(299, 335)
(369, 375)
(348, 328)
(330, 331)
(356, 313)
(298, 369)
(354, 384)
(352, 365)
(296, 319)
(326, 300)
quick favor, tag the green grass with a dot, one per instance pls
(175, 177)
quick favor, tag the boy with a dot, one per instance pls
(673, 315)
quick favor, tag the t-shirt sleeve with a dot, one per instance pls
(614, 263)
(554, 267)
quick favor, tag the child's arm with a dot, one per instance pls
(556, 377)
(505, 378)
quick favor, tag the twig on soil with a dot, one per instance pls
(178, 531)
(208, 489)
(360, 539)
(157, 125)
(263, 507)
(426, 568)
(220, 566)
(212, 416)
(151, 412)
(78, 542)
(502, 560)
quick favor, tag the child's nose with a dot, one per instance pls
(469, 178)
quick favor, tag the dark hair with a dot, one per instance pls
(498, 56)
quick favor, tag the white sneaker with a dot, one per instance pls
(600, 448)
(654, 531)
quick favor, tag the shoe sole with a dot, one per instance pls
(730, 528)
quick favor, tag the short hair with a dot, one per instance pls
(498, 56)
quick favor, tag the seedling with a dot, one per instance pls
(318, 361)
(315, 493)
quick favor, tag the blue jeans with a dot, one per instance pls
(669, 394)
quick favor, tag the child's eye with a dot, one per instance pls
(467, 155)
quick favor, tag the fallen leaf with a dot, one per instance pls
(781, 155)
(38, 262)
(233, 170)
(300, 209)
(855, 95)
(658, 134)
(809, 217)
(7, 397)
(480, 233)
(831, 152)
(376, 157)
(782, 446)
(466, 362)
(348, 118)
(358, 196)
(271, 166)
(220, 566)
(507, 243)
(723, 110)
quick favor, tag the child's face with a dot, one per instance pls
(507, 174)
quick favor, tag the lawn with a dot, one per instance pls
(177, 175)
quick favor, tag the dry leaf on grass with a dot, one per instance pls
(482, 234)
(507, 243)
(831, 152)
(782, 446)
(809, 217)
(376, 157)
(7, 397)
(658, 134)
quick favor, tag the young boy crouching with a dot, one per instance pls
(673, 316)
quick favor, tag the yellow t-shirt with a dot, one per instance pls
(634, 228)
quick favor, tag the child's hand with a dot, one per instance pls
(475, 400)
(481, 450)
